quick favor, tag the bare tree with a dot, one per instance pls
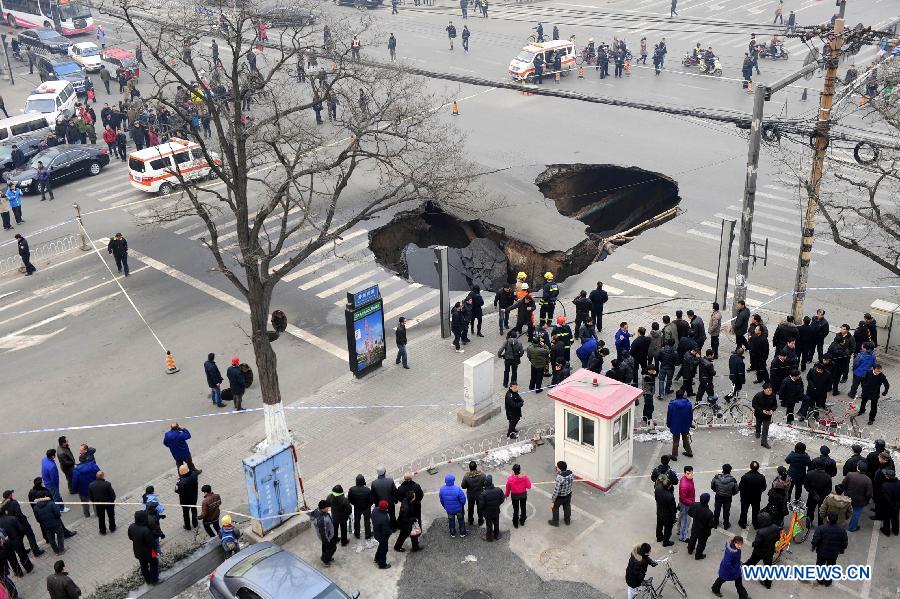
(293, 186)
(858, 199)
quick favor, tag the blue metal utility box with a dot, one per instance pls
(271, 487)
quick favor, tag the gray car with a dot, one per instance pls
(266, 571)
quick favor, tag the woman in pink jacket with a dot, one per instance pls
(517, 485)
(686, 498)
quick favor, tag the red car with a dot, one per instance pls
(123, 60)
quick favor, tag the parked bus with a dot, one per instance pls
(68, 18)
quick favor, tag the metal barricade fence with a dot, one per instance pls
(41, 252)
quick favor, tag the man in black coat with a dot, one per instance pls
(665, 513)
(340, 513)
(66, 460)
(852, 461)
(767, 535)
(15, 533)
(12, 507)
(143, 545)
(791, 393)
(872, 458)
(751, 487)
(598, 297)
(764, 406)
(187, 489)
(640, 347)
(740, 324)
(360, 497)
(890, 503)
(118, 247)
(47, 513)
(102, 496)
(213, 379)
(829, 541)
(381, 523)
(818, 486)
(825, 461)
(821, 328)
(702, 521)
(489, 503)
(779, 370)
(806, 342)
(513, 404)
(383, 488)
(410, 486)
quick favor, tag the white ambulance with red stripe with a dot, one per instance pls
(521, 68)
(162, 168)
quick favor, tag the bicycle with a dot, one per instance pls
(796, 530)
(648, 591)
(711, 412)
(828, 421)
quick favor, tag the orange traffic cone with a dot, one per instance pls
(171, 368)
(862, 100)
(581, 72)
(557, 76)
(454, 110)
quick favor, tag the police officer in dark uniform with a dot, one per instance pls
(539, 68)
(548, 300)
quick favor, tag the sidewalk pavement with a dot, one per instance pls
(588, 558)
(335, 445)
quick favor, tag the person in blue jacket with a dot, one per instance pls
(453, 500)
(84, 474)
(176, 440)
(862, 364)
(50, 476)
(730, 569)
(623, 340)
(679, 417)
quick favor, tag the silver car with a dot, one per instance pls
(266, 571)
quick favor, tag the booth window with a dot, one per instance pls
(579, 429)
(621, 428)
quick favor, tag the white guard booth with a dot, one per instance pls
(594, 421)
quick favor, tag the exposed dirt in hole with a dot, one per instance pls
(481, 253)
(607, 198)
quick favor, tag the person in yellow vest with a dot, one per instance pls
(520, 281)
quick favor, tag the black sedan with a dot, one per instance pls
(287, 17)
(29, 146)
(65, 162)
(44, 40)
(360, 3)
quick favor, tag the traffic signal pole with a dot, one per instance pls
(823, 127)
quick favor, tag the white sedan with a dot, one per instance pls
(87, 54)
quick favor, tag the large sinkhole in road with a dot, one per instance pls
(606, 199)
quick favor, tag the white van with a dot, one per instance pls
(23, 124)
(157, 169)
(52, 99)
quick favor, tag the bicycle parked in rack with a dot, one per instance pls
(712, 412)
(648, 591)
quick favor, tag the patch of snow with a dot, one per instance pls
(469, 558)
(504, 455)
(653, 436)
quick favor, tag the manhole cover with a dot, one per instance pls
(476, 594)
(555, 558)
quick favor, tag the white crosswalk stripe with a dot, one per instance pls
(672, 278)
(780, 230)
(320, 251)
(704, 273)
(383, 284)
(775, 240)
(645, 285)
(344, 284)
(345, 252)
(400, 310)
(324, 278)
(431, 312)
(716, 238)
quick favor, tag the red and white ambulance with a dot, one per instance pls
(162, 168)
(521, 68)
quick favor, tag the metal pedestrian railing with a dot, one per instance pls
(40, 252)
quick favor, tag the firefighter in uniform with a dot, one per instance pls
(563, 335)
(548, 300)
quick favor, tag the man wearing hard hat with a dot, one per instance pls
(548, 299)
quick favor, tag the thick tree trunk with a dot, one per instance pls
(266, 365)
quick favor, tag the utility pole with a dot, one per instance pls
(823, 127)
(761, 95)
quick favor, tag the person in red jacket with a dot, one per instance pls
(517, 485)
(109, 136)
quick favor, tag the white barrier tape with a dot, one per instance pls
(210, 414)
(39, 231)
